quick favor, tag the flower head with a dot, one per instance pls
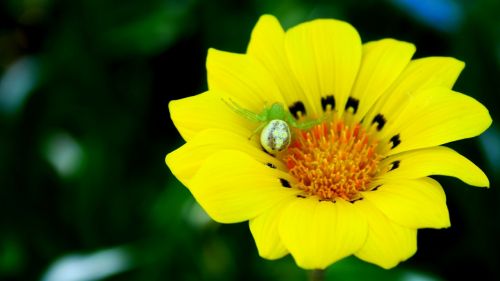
(354, 182)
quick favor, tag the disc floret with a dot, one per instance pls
(333, 160)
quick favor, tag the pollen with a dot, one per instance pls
(333, 160)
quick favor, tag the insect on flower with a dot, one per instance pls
(352, 132)
(275, 133)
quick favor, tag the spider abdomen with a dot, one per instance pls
(275, 136)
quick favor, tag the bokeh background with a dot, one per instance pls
(85, 127)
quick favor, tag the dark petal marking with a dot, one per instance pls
(376, 187)
(327, 200)
(285, 183)
(355, 200)
(352, 103)
(328, 100)
(395, 165)
(271, 165)
(395, 141)
(380, 120)
(301, 196)
(296, 108)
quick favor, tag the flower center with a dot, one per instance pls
(333, 160)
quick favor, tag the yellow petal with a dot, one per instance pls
(232, 186)
(437, 116)
(420, 74)
(318, 234)
(267, 45)
(438, 160)
(265, 232)
(185, 161)
(381, 64)
(387, 243)
(430, 72)
(242, 79)
(324, 55)
(419, 203)
(194, 114)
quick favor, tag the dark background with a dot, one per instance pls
(84, 87)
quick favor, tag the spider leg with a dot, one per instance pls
(245, 112)
(291, 120)
(261, 126)
(308, 124)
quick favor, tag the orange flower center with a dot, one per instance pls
(333, 160)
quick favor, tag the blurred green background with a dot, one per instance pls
(84, 89)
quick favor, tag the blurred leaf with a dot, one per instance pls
(490, 144)
(12, 256)
(29, 11)
(152, 33)
(354, 269)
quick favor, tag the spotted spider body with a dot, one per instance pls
(275, 135)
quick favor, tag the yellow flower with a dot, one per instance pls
(356, 184)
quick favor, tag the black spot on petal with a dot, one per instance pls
(355, 200)
(328, 100)
(380, 120)
(271, 165)
(395, 165)
(352, 103)
(301, 196)
(296, 108)
(395, 140)
(376, 187)
(285, 183)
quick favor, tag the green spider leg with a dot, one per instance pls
(302, 125)
(290, 119)
(252, 116)
(256, 131)
(308, 124)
